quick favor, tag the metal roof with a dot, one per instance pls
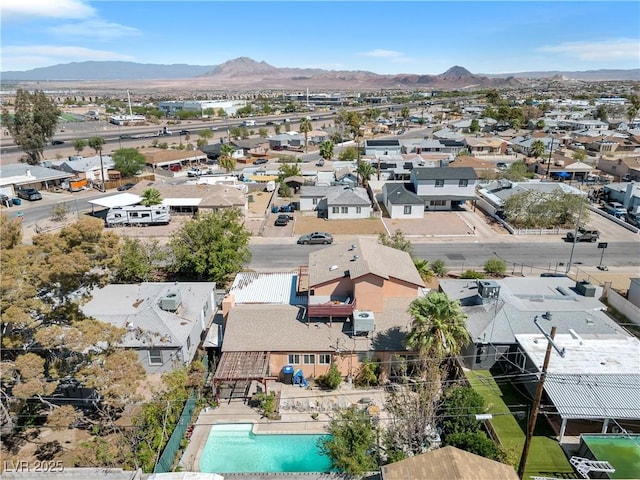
(270, 287)
(595, 396)
(118, 200)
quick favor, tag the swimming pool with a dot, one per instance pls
(621, 451)
(234, 448)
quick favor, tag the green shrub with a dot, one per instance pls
(332, 379)
(368, 374)
(267, 405)
(495, 267)
(471, 274)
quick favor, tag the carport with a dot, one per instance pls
(119, 200)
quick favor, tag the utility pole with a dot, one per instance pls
(548, 173)
(536, 402)
(575, 236)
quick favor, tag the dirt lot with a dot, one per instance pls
(307, 224)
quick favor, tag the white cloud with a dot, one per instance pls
(96, 29)
(45, 8)
(617, 49)
(28, 57)
(391, 55)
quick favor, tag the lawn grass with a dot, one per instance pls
(546, 457)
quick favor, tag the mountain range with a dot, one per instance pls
(245, 72)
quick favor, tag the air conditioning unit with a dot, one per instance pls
(171, 301)
(363, 322)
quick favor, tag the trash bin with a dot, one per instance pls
(16, 201)
(286, 375)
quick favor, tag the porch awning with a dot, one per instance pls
(242, 366)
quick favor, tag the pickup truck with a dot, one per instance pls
(584, 235)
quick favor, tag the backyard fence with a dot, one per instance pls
(171, 449)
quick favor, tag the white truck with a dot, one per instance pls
(249, 123)
(138, 215)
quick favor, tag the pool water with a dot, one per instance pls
(233, 448)
(622, 452)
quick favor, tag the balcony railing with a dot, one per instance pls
(331, 306)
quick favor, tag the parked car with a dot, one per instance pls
(584, 235)
(261, 161)
(194, 172)
(5, 200)
(57, 142)
(615, 208)
(125, 187)
(125, 136)
(184, 132)
(29, 194)
(501, 165)
(282, 220)
(322, 238)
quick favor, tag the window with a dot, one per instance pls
(358, 209)
(407, 209)
(293, 359)
(315, 201)
(309, 359)
(345, 210)
(324, 359)
(438, 203)
(335, 209)
(463, 183)
(440, 183)
(155, 356)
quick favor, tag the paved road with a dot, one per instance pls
(459, 256)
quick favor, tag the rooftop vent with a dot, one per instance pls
(171, 301)
(585, 288)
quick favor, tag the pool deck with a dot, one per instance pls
(296, 407)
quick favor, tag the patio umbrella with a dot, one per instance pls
(563, 174)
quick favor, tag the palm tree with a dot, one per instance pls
(305, 127)
(365, 171)
(438, 327)
(226, 160)
(151, 196)
(424, 269)
(326, 150)
(538, 148)
(97, 143)
(404, 113)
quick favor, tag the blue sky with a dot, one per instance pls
(385, 37)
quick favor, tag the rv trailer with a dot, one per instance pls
(138, 215)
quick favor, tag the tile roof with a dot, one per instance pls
(368, 257)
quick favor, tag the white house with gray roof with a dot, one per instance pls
(401, 202)
(164, 322)
(499, 310)
(336, 201)
(444, 188)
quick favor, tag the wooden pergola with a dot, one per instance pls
(242, 366)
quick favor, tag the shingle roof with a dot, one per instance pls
(346, 196)
(397, 194)
(448, 463)
(445, 173)
(372, 258)
(283, 328)
(212, 196)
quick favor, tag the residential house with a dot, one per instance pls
(336, 201)
(483, 168)
(590, 379)
(286, 140)
(345, 176)
(524, 144)
(493, 195)
(84, 167)
(449, 463)
(401, 202)
(252, 147)
(201, 197)
(213, 150)
(626, 193)
(480, 146)
(350, 303)
(499, 310)
(622, 167)
(388, 146)
(18, 175)
(444, 188)
(164, 322)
